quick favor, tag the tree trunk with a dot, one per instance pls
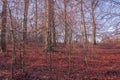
(65, 23)
(53, 30)
(93, 5)
(13, 44)
(36, 16)
(94, 31)
(25, 20)
(24, 33)
(70, 51)
(48, 36)
(3, 28)
(84, 33)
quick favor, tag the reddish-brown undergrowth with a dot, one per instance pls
(102, 63)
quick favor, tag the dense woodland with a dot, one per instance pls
(59, 39)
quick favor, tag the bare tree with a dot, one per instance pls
(53, 30)
(24, 32)
(36, 22)
(65, 22)
(3, 28)
(84, 32)
(49, 24)
(13, 43)
(93, 6)
(25, 20)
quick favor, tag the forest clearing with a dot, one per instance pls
(101, 64)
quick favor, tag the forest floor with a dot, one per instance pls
(99, 63)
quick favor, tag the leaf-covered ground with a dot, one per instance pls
(99, 63)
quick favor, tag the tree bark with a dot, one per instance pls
(53, 30)
(13, 44)
(65, 23)
(93, 5)
(24, 33)
(48, 36)
(25, 20)
(36, 16)
(84, 33)
(3, 28)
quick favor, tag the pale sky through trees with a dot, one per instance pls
(107, 15)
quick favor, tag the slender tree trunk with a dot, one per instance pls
(12, 37)
(93, 5)
(36, 16)
(13, 44)
(49, 29)
(70, 50)
(24, 32)
(83, 23)
(36, 27)
(53, 30)
(3, 28)
(48, 37)
(94, 31)
(84, 33)
(25, 20)
(65, 23)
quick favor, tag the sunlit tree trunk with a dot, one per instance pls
(3, 27)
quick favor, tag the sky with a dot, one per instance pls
(104, 9)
